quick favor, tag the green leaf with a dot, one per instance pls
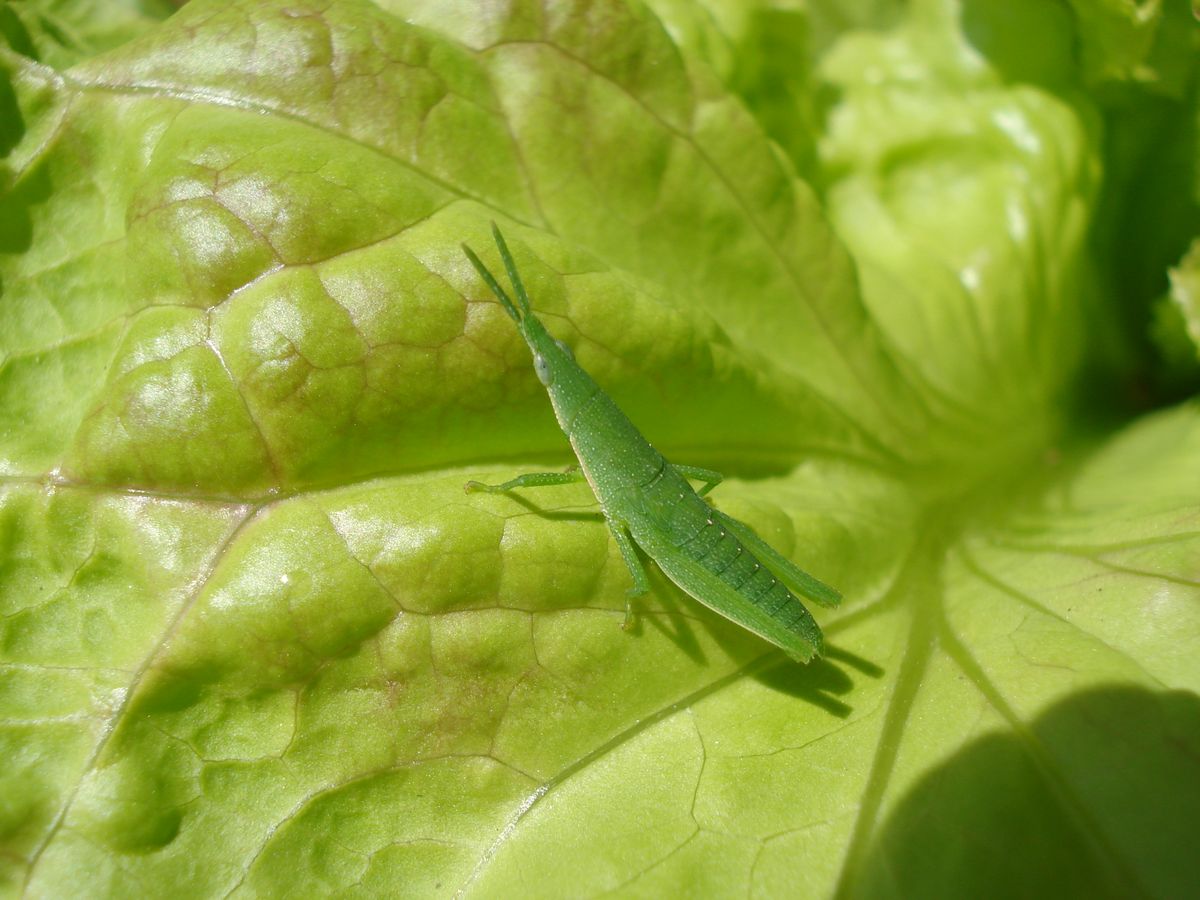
(62, 32)
(255, 639)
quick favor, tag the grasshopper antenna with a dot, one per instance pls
(511, 268)
(490, 280)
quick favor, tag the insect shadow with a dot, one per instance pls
(568, 514)
(822, 681)
(674, 621)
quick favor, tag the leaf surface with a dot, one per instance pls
(255, 638)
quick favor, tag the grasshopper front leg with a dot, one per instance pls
(532, 479)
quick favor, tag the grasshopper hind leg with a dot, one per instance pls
(784, 569)
(533, 479)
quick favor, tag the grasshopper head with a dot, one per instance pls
(518, 311)
(546, 350)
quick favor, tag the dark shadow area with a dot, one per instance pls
(33, 188)
(1148, 208)
(1101, 798)
(555, 515)
(12, 123)
(821, 681)
(774, 68)
(677, 628)
(1026, 41)
(854, 661)
(14, 33)
(771, 71)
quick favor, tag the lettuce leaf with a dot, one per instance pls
(255, 639)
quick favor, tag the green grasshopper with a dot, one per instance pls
(645, 499)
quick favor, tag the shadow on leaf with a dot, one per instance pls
(821, 681)
(1099, 798)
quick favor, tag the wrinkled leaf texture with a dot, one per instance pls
(255, 639)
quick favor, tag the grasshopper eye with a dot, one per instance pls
(545, 376)
(565, 349)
